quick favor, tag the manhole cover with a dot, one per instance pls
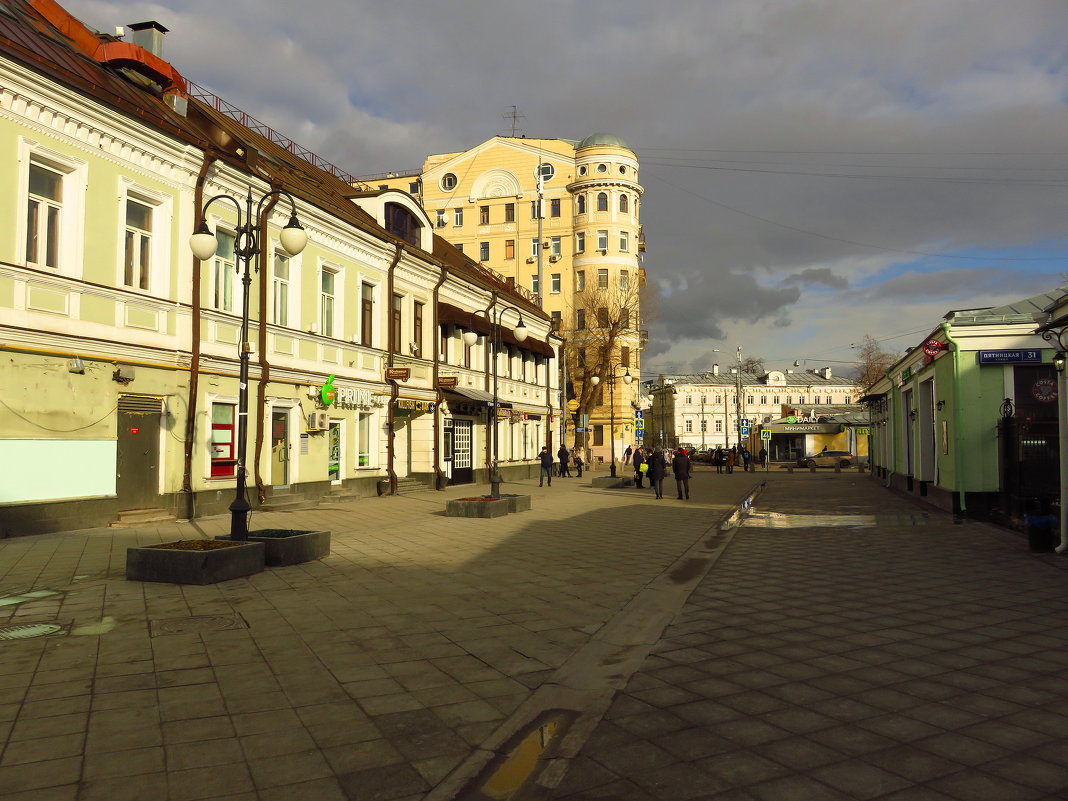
(196, 624)
(27, 631)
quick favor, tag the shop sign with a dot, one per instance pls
(1044, 390)
(863, 432)
(794, 418)
(1010, 356)
(398, 373)
(415, 405)
(932, 347)
(906, 374)
(528, 416)
(342, 397)
(447, 380)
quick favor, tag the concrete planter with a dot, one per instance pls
(194, 561)
(516, 503)
(284, 547)
(608, 481)
(477, 507)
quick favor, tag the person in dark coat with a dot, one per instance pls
(546, 460)
(719, 458)
(683, 469)
(746, 457)
(563, 456)
(657, 471)
(639, 460)
(578, 462)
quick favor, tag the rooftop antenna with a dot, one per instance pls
(515, 115)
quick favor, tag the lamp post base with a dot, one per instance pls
(239, 510)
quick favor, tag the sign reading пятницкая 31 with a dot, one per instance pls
(1019, 356)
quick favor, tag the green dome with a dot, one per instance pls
(608, 139)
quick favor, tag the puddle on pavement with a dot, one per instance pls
(36, 595)
(508, 776)
(783, 520)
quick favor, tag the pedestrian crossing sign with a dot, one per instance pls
(765, 435)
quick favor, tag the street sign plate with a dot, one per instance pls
(745, 431)
(745, 422)
(572, 405)
(765, 435)
(639, 413)
(639, 424)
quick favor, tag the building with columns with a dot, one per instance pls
(559, 219)
(702, 410)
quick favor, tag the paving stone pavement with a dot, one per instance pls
(392, 669)
(848, 644)
(880, 652)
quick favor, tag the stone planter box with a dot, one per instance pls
(477, 507)
(284, 547)
(194, 561)
(516, 503)
(608, 481)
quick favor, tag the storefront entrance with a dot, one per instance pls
(280, 447)
(458, 461)
(137, 460)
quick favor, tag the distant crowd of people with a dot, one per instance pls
(652, 464)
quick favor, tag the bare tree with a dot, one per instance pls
(872, 361)
(754, 365)
(602, 333)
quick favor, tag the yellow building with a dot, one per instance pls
(561, 219)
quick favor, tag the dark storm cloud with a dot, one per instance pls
(816, 275)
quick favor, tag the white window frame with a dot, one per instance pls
(580, 280)
(602, 239)
(554, 246)
(285, 284)
(602, 278)
(624, 241)
(162, 207)
(580, 242)
(74, 179)
(624, 280)
(333, 313)
(458, 217)
(224, 269)
(554, 283)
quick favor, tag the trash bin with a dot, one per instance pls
(383, 487)
(1041, 527)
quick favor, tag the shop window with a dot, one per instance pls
(223, 441)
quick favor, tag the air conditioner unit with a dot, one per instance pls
(531, 259)
(318, 421)
(554, 259)
(603, 252)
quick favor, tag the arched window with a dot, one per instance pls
(401, 222)
(581, 204)
(624, 204)
(602, 201)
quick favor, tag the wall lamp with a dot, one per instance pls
(940, 405)
(1058, 361)
(913, 414)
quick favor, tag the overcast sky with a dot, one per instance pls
(814, 170)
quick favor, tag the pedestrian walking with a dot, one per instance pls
(683, 469)
(578, 463)
(746, 458)
(638, 459)
(732, 454)
(627, 455)
(564, 457)
(657, 471)
(762, 457)
(546, 460)
(718, 459)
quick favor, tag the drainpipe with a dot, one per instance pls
(264, 365)
(440, 479)
(194, 357)
(958, 414)
(890, 451)
(1062, 422)
(395, 389)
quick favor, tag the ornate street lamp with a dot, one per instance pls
(494, 317)
(247, 244)
(594, 381)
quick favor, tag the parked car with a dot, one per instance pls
(828, 459)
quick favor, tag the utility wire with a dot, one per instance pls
(849, 241)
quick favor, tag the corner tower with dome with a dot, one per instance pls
(562, 219)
